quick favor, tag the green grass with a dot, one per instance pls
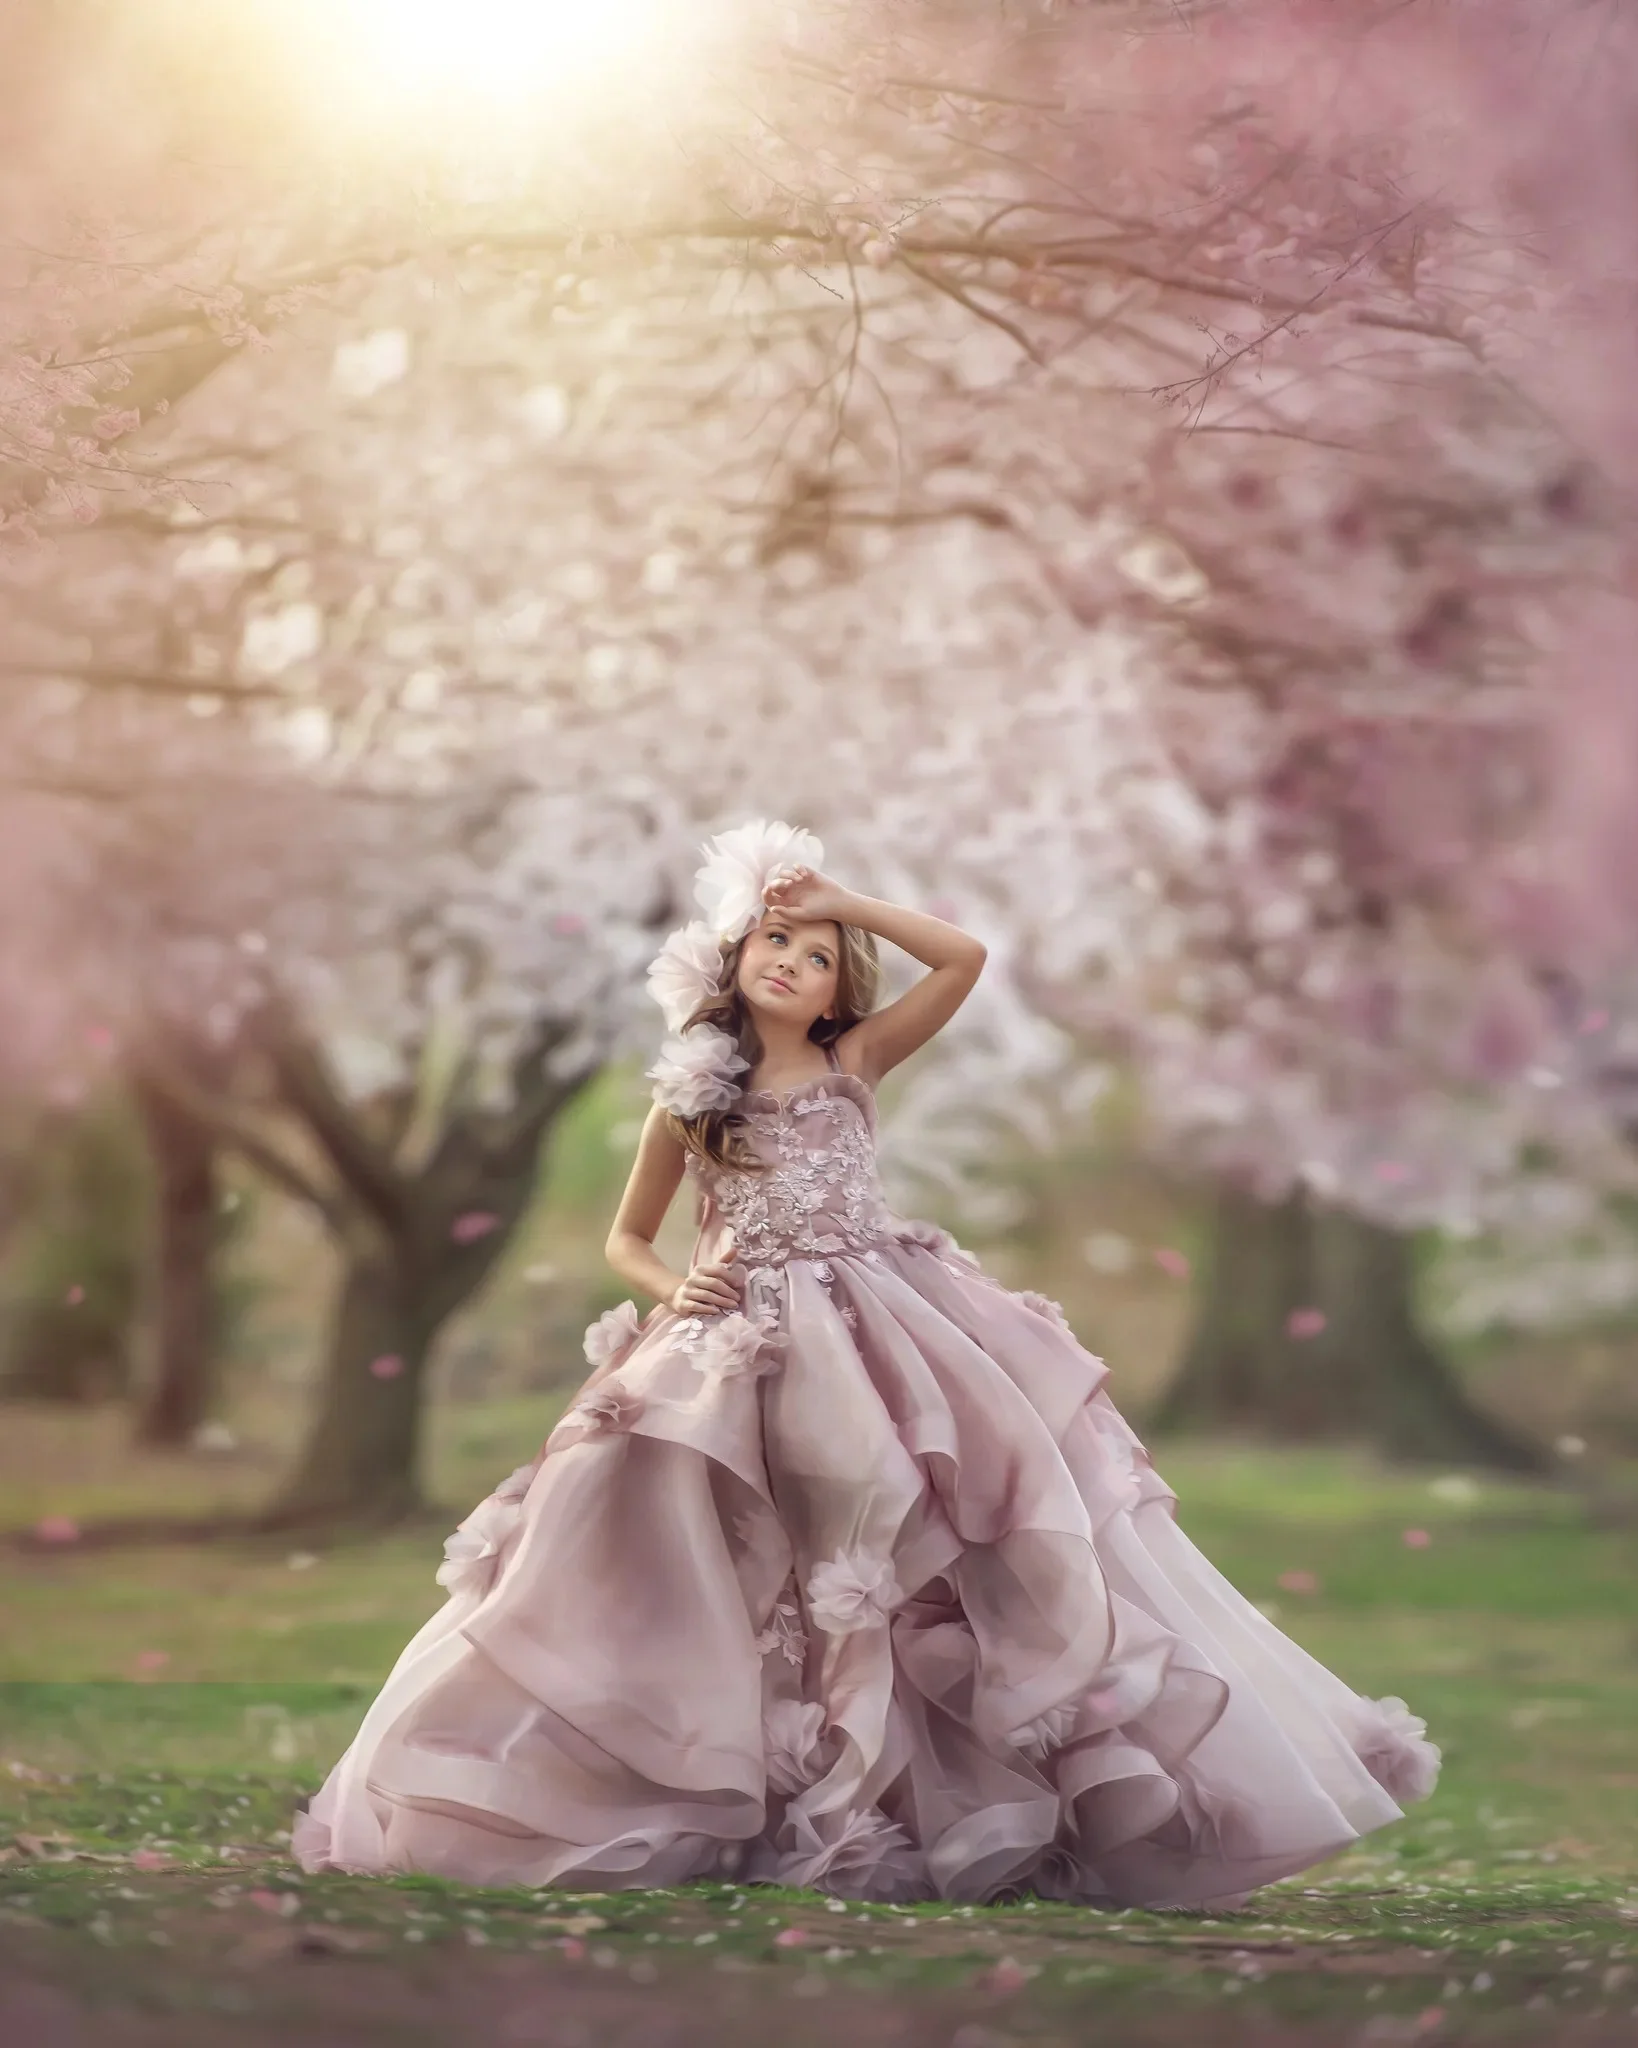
(1506, 1908)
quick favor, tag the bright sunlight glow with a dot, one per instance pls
(493, 51)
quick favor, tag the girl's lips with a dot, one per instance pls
(773, 981)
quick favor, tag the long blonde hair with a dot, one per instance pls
(719, 1134)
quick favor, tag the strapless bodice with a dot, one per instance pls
(817, 1192)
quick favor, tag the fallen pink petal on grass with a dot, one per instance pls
(1416, 1539)
(152, 1660)
(56, 1529)
(573, 1947)
(1171, 1261)
(150, 1859)
(792, 1937)
(1305, 1322)
(1005, 1976)
(265, 1901)
(1298, 1582)
(474, 1224)
(388, 1366)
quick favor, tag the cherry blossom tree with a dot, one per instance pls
(1039, 280)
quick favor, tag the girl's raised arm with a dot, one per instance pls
(877, 1043)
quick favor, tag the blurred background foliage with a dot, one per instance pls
(1092, 1223)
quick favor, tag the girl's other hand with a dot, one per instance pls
(711, 1289)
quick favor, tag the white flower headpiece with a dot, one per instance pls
(695, 1071)
(739, 866)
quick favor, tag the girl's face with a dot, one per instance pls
(788, 969)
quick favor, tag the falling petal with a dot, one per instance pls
(75, 1295)
(1298, 1582)
(1170, 1260)
(792, 1937)
(149, 1859)
(1005, 1976)
(567, 925)
(1416, 1539)
(57, 1529)
(474, 1224)
(1305, 1322)
(152, 1660)
(388, 1366)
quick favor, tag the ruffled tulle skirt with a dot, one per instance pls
(870, 1589)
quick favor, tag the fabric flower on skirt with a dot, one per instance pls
(1044, 1305)
(870, 1855)
(695, 1072)
(606, 1408)
(914, 1230)
(685, 973)
(739, 865)
(1394, 1749)
(516, 1484)
(851, 1592)
(735, 1346)
(793, 1744)
(612, 1335)
(784, 1633)
(472, 1553)
(1049, 1731)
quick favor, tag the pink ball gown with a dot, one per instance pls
(867, 1587)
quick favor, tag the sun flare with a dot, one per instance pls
(494, 51)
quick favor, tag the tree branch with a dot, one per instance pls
(308, 1091)
(236, 1128)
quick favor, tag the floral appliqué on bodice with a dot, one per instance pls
(818, 1192)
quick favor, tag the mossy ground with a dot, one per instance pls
(161, 1708)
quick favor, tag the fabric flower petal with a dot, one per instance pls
(793, 1746)
(694, 1074)
(685, 972)
(735, 1345)
(612, 1334)
(851, 1592)
(869, 1854)
(1395, 1750)
(739, 865)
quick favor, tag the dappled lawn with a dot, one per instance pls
(168, 1704)
(163, 1705)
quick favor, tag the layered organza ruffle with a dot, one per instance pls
(869, 1588)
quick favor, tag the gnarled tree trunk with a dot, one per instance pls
(182, 1370)
(416, 1246)
(1306, 1329)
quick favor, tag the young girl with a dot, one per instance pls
(842, 1570)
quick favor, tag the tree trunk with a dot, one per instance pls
(183, 1360)
(1237, 1371)
(1306, 1330)
(361, 1461)
(1385, 1376)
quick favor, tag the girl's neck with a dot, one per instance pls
(788, 1059)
